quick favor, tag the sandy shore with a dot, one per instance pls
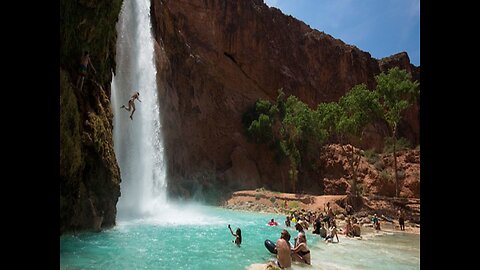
(317, 253)
(283, 203)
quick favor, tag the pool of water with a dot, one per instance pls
(198, 238)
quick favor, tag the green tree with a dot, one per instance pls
(396, 92)
(302, 135)
(328, 116)
(294, 126)
(290, 127)
(260, 121)
(355, 110)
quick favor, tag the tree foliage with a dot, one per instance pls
(290, 126)
(396, 92)
(355, 110)
(260, 121)
(298, 132)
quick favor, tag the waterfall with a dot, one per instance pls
(138, 143)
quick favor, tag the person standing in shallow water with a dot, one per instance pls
(283, 248)
(287, 221)
(131, 104)
(237, 234)
(401, 220)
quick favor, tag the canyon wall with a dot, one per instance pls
(89, 173)
(215, 58)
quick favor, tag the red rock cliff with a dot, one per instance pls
(215, 58)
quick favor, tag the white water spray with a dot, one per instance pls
(138, 142)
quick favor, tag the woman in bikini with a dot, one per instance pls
(301, 252)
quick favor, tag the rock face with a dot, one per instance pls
(375, 177)
(215, 58)
(89, 173)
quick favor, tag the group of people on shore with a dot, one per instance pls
(323, 224)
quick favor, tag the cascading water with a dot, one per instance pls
(138, 142)
(136, 243)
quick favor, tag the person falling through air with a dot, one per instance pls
(131, 104)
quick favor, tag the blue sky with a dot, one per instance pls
(380, 27)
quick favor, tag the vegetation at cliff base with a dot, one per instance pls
(298, 132)
(396, 92)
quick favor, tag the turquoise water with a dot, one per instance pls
(384, 250)
(199, 239)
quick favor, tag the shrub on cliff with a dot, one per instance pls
(371, 156)
(400, 144)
